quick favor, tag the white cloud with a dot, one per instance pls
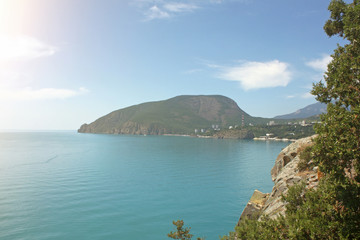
(40, 94)
(13, 83)
(320, 64)
(306, 95)
(255, 75)
(164, 9)
(180, 7)
(23, 48)
(167, 10)
(156, 13)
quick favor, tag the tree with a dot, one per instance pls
(337, 149)
(181, 233)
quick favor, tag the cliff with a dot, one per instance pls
(285, 173)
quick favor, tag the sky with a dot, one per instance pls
(68, 62)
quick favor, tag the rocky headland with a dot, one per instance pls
(285, 173)
(186, 114)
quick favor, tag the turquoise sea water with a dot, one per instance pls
(65, 185)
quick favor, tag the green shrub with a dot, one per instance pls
(305, 158)
(329, 212)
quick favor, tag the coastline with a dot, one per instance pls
(274, 139)
(176, 135)
(212, 136)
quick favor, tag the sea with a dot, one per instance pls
(67, 185)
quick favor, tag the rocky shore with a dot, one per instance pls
(284, 174)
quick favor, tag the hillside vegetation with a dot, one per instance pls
(178, 115)
(187, 114)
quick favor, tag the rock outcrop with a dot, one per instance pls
(284, 174)
(255, 205)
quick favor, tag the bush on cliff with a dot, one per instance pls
(305, 159)
(310, 214)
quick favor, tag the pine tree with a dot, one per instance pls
(181, 232)
(337, 148)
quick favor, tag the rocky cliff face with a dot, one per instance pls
(284, 174)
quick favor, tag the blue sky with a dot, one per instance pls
(67, 62)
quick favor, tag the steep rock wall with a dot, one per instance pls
(284, 174)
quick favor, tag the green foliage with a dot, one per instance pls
(305, 158)
(181, 232)
(322, 213)
(337, 148)
(178, 115)
(335, 25)
(265, 229)
(310, 214)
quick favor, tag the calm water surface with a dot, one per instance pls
(66, 185)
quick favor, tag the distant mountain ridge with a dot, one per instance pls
(178, 115)
(186, 114)
(308, 111)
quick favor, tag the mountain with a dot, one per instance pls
(308, 111)
(178, 115)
